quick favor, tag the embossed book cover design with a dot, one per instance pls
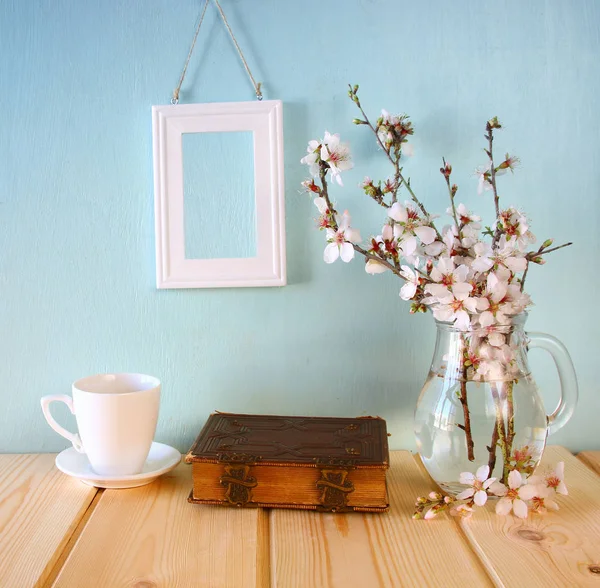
(317, 463)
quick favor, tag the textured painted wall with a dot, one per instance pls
(77, 80)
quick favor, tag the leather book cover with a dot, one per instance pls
(316, 463)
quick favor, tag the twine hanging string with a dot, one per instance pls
(257, 85)
(175, 99)
(254, 83)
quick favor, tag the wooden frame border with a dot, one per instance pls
(169, 123)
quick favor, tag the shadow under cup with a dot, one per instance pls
(116, 416)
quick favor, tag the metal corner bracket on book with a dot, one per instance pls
(236, 478)
(334, 484)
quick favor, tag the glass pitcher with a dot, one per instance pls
(480, 404)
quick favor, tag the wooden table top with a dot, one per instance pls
(56, 531)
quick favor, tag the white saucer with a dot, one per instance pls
(161, 459)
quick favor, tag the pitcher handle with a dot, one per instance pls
(566, 375)
(72, 437)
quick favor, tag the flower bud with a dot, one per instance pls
(539, 260)
(547, 243)
(434, 496)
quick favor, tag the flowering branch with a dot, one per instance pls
(520, 494)
(465, 403)
(490, 126)
(402, 128)
(470, 279)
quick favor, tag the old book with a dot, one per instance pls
(313, 463)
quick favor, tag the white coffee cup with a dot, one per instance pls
(116, 417)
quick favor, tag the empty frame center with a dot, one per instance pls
(219, 195)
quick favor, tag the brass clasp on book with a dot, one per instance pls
(239, 484)
(335, 489)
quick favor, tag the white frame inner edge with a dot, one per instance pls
(169, 123)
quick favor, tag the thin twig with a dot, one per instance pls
(501, 427)
(332, 212)
(531, 255)
(492, 449)
(396, 165)
(465, 404)
(447, 177)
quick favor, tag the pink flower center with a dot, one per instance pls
(477, 485)
(512, 494)
(552, 482)
(538, 503)
(339, 237)
(521, 454)
(447, 279)
(457, 305)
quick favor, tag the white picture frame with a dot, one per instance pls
(169, 123)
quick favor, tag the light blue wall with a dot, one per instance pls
(77, 274)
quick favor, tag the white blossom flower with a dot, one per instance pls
(313, 157)
(554, 479)
(478, 484)
(409, 289)
(336, 155)
(464, 217)
(543, 500)
(455, 308)
(483, 257)
(448, 277)
(462, 510)
(434, 249)
(492, 304)
(496, 362)
(483, 184)
(516, 227)
(367, 182)
(505, 254)
(375, 267)
(508, 255)
(430, 514)
(321, 204)
(340, 241)
(408, 227)
(509, 163)
(515, 496)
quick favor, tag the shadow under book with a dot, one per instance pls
(311, 463)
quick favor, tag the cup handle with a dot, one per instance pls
(566, 374)
(72, 437)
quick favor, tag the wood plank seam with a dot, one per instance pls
(72, 540)
(591, 459)
(479, 552)
(263, 549)
(465, 533)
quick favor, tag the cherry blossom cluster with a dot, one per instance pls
(470, 276)
(521, 495)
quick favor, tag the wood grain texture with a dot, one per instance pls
(591, 459)
(555, 549)
(40, 508)
(152, 537)
(373, 550)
